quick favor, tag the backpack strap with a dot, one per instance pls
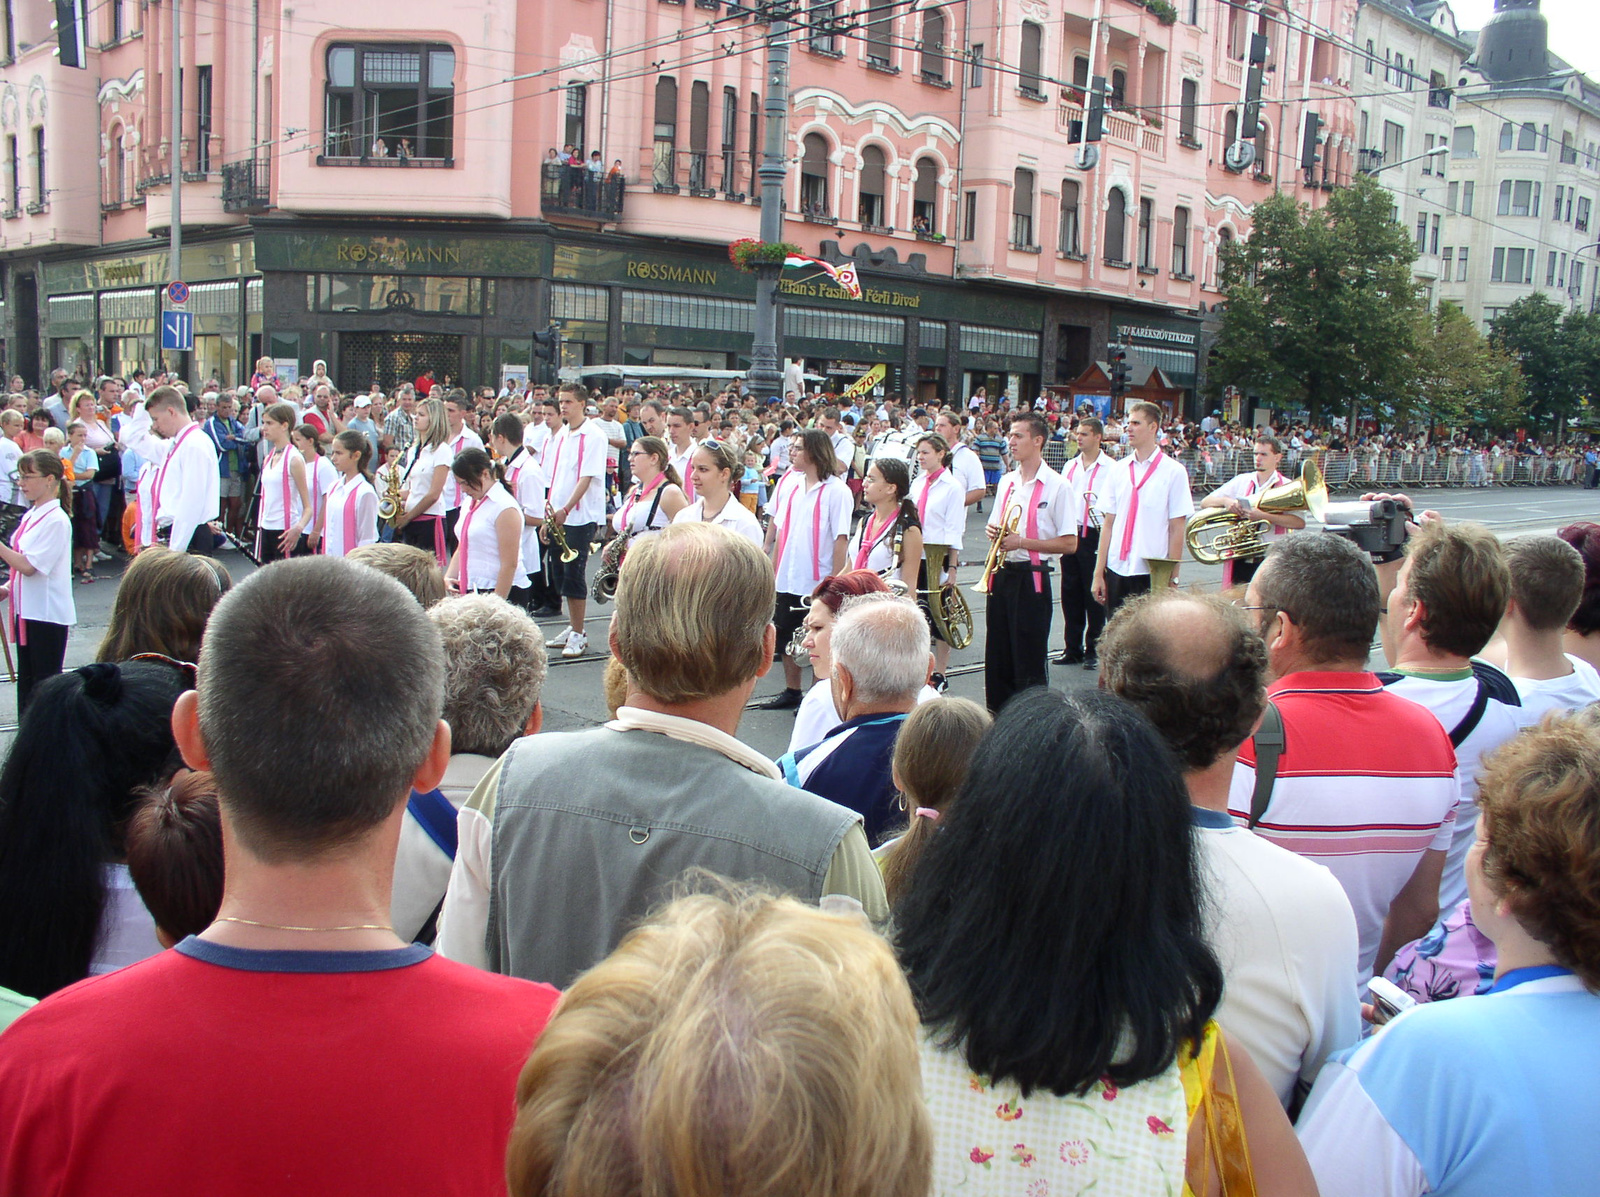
(1269, 744)
(437, 817)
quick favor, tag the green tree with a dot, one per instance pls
(1463, 378)
(1548, 345)
(1321, 307)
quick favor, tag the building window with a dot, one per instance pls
(1119, 89)
(1080, 77)
(1581, 220)
(925, 197)
(1449, 259)
(1555, 209)
(1438, 91)
(975, 75)
(1029, 73)
(969, 216)
(880, 32)
(118, 26)
(390, 100)
(1427, 147)
(1022, 208)
(1519, 197)
(1372, 54)
(1550, 269)
(755, 144)
(699, 133)
(1577, 279)
(814, 176)
(1467, 190)
(1452, 196)
(870, 206)
(1511, 266)
(1433, 240)
(823, 38)
(730, 139)
(1147, 233)
(40, 194)
(933, 45)
(1528, 137)
(118, 173)
(1188, 109)
(1180, 241)
(1117, 228)
(1071, 219)
(13, 175)
(202, 120)
(664, 168)
(1394, 142)
(1508, 133)
(1230, 126)
(1461, 266)
(1569, 152)
(1422, 233)
(1464, 142)
(575, 128)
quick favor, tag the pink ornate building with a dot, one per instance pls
(369, 184)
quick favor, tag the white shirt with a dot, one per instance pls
(188, 489)
(1051, 499)
(1578, 689)
(966, 466)
(478, 541)
(942, 503)
(1163, 497)
(844, 448)
(273, 470)
(809, 520)
(573, 454)
(421, 869)
(321, 477)
(1243, 486)
(458, 441)
(525, 477)
(535, 437)
(881, 556)
(682, 463)
(417, 467)
(10, 454)
(614, 432)
(1085, 483)
(345, 491)
(145, 532)
(640, 512)
(44, 537)
(734, 516)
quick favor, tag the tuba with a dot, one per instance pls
(951, 615)
(1216, 534)
(604, 587)
(555, 535)
(1009, 524)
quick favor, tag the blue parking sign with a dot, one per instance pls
(177, 331)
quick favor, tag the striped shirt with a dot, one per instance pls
(1366, 784)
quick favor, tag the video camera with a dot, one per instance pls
(1377, 526)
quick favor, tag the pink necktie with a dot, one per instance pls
(1133, 506)
(922, 502)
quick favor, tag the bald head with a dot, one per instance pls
(1193, 665)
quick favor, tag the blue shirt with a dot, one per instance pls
(851, 766)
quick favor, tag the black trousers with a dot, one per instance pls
(1079, 611)
(1120, 589)
(450, 518)
(39, 658)
(1245, 569)
(1017, 634)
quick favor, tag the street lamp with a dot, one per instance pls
(1443, 148)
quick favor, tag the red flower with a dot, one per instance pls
(1157, 1127)
(1005, 1113)
(1108, 1091)
(979, 1156)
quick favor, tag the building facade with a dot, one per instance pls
(386, 187)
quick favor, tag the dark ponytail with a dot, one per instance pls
(898, 475)
(357, 443)
(473, 463)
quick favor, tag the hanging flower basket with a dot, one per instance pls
(747, 253)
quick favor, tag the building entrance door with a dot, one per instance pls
(392, 358)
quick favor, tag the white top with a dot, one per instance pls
(1285, 934)
(1163, 497)
(1049, 497)
(272, 488)
(188, 489)
(457, 441)
(574, 454)
(844, 449)
(417, 467)
(127, 929)
(613, 432)
(817, 716)
(968, 469)
(525, 477)
(809, 520)
(478, 542)
(881, 556)
(145, 532)
(358, 491)
(1243, 486)
(734, 516)
(44, 537)
(640, 512)
(421, 869)
(321, 477)
(10, 454)
(535, 437)
(1085, 483)
(1578, 689)
(682, 462)
(941, 501)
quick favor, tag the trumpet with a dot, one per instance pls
(1009, 524)
(554, 535)
(951, 615)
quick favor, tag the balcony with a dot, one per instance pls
(1368, 161)
(575, 192)
(247, 186)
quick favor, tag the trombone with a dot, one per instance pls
(997, 555)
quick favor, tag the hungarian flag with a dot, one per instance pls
(844, 276)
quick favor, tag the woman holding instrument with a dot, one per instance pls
(889, 540)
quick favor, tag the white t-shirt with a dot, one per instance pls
(1049, 497)
(734, 516)
(641, 512)
(571, 455)
(1573, 692)
(478, 541)
(613, 432)
(881, 557)
(417, 468)
(1163, 496)
(682, 463)
(10, 454)
(356, 496)
(457, 442)
(273, 472)
(321, 477)
(968, 468)
(535, 437)
(525, 477)
(44, 537)
(942, 505)
(809, 521)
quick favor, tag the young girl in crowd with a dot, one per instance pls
(174, 849)
(320, 477)
(40, 557)
(285, 490)
(488, 556)
(83, 462)
(350, 512)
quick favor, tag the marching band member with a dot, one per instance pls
(525, 478)
(712, 472)
(456, 407)
(965, 463)
(942, 509)
(285, 489)
(321, 477)
(1145, 505)
(575, 465)
(488, 556)
(351, 506)
(657, 495)
(1233, 494)
(187, 494)
(40, 557)
(806, 538)
(1018, 613)
(889, 540)
(1086, 475)
(423, 469)
(682, 445)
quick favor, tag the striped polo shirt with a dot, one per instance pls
(1366, 784)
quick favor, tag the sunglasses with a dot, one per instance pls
(188, 667)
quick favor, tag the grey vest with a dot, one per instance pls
(591, 829)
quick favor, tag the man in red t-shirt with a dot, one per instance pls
(297, 1045)
(425, 383)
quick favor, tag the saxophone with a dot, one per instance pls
(604, 587)
(391, 505)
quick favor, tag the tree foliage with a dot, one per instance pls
(1463, 378)
(1321, 309)
(1559, 353)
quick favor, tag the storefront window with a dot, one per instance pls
(392, 292)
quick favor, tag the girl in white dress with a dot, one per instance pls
(40, 556)
(321, 477)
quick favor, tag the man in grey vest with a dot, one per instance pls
(573, 836)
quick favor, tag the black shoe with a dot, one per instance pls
(1091, 662)
(784, 700)
(1066, 658)
(546, 612)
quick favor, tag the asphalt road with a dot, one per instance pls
(572, 696)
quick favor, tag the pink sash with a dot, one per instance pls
(1030, 528)
(349, 521)
(627, 508)
(1133, 505)
(922, 502)
(816, 527)
(465, 527)
(870, 536)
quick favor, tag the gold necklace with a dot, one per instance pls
(228, 918)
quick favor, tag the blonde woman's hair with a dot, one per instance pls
(693, 605)
(733, 1044)
(931, 755)
(438, 426)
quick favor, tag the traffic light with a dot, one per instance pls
(1095, 125)
(1308, 143)
(1119, 371)
(1250, 124)
(69, 28)
(547, 349)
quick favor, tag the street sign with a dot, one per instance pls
(177, 293)
(177, 331)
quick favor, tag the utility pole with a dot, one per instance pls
(175, 271)
(764, 376)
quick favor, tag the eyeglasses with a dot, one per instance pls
(188, 667)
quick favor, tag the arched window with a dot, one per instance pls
(1030, 72)
(666, 133)
(933, 45)
(1071, 219)
(118, 173)
(1117, 228)
(1224, 240)
(1230, 127)
(925, 197)
(1022, 208)
(1507, 133)
(1263, 148)
(1528, 136)
(1147, 233)
(870, 206)
(814, 176)
(1119, 89)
